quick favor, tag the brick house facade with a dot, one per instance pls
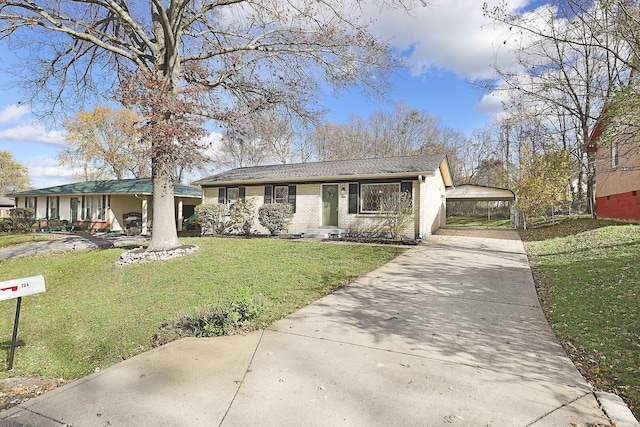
(617, 176)
(341, 194)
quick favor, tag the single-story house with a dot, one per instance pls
(617, 175)
(113, 205)
(6, 204)
(341, 196)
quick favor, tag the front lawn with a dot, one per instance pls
(95, 314)
(588, 277)
(10, 239)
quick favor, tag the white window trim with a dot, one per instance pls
(230, 201)
(275, 199)
(371, 184)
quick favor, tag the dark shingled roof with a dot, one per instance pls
(118, 186)
(408, 165)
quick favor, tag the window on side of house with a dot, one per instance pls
(280, 194)
(54, 207)
(93, 208)
(614, 155)
(229, 195)
(233, 194)
(31, 202)
(371, 194)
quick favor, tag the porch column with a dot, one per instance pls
(180, 218)
(145, 211)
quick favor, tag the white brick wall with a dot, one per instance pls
(427, 202)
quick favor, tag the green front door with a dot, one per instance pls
(74, 210)
(330, 205)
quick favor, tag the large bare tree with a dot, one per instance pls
(400, 131)
(188, 58)
(569, 63)
(267, 136)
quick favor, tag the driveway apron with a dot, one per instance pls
(449, 333)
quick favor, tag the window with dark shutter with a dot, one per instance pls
(221, 195)
(242, 192)
(353, 198)
(292, 197)
(406, 187)
(267, 193)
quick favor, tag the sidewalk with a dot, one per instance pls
(449, 333)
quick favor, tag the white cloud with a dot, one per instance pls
(450, 34)
(34, 132)
(46, 172)
(13, 113)
(492, 103)
(212, 144)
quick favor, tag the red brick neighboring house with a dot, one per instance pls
(617, 176)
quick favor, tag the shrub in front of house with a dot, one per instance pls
(211, 217)
(6, 225)
(22, 219)
(275, 216)
(396, 211)
(241, 217)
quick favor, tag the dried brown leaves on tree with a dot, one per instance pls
(233, 57)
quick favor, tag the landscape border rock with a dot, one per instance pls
(141, 255)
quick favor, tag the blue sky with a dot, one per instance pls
(446, 46)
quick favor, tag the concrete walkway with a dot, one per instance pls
(449, 333)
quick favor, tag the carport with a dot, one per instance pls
(480, 193)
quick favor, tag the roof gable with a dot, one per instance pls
(339, 169)
(117, 186)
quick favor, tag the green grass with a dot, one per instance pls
(588, 276)
(7, 239)
(95, 314)
(477, 221)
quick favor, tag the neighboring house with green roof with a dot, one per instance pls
(114, 205)
(341, 196)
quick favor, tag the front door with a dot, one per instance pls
(74, 210)
(330, 205)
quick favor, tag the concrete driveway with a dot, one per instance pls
(449, 333)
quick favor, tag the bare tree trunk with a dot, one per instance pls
(164, 235)
(591, 184)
